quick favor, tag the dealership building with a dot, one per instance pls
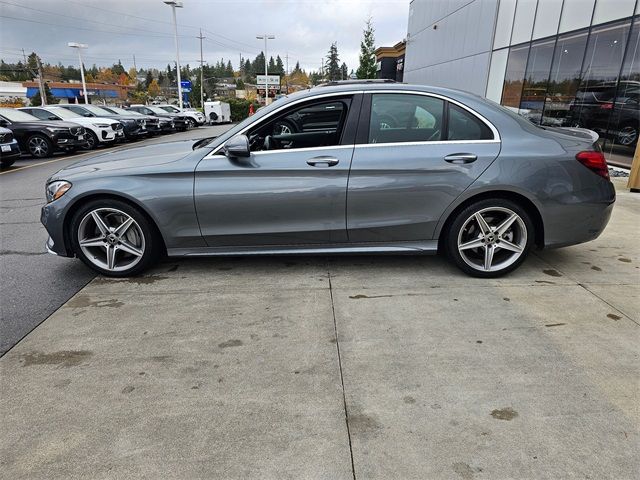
(557, 62)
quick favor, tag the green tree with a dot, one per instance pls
(272, 66)
(344, 71)
(148, 79)
(117, 68)
(279, 66)
(37, 101)
(367, 68)
(332, 66)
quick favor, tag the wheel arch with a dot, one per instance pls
(82, 200)
(520, 199)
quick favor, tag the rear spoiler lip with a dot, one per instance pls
(575, 132)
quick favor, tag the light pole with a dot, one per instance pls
(80, 46)
(174, 4)
(266, 74)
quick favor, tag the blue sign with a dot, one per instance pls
(185, 85)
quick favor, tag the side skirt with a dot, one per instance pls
(428, 247)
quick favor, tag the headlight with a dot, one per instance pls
(102, 125)
(57, 189)
(57, 129)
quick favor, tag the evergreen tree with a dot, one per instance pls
(148, 79)
(279, 69)
(297, 68)
(344, 71)
(229, 69)
(332, 66)
(117, 68)
(272, 66)
(367, 68)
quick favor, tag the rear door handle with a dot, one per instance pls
(461, 158)
(322, 161)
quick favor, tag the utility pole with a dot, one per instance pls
(79, 47)
(136, 69)
(286, 70)
(266, 74)
(43, 96)
(201, 72)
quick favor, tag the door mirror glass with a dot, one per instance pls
(237, 146)
(3, 122)
(52, 117)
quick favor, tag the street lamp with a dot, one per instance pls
(80, 46)
(174, 4)
(266, 74)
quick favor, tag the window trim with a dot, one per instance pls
(365, 120)
(363, 111)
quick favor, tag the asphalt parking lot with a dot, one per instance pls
(342, 367)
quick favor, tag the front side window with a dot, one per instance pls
(16, 115)
(405, 118)
(41, 114)
(319, 124)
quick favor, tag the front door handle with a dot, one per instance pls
(322, 161)
(461, 158)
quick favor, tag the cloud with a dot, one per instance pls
(118, 29)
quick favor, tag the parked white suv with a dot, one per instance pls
(196, 117)
(99, 130)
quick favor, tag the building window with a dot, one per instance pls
(514, 76)
(624, 123)
(536, 79)
(565, 76)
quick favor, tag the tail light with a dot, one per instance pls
(595, 162)
(607, 106)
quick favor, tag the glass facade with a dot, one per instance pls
(588, 78)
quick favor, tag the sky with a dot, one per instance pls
(118, 29)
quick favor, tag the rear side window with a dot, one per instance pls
(465, 126)
(41, 114)
(405, 118)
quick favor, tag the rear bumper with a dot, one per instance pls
(9, 150)
(578, 222)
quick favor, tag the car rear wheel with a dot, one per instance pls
(114, 238)
(628, 135)
(191, 123)
(39, 146)
(490, 238)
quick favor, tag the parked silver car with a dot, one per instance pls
(355, 168)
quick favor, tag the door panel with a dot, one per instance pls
(397, 192)
(281, 197)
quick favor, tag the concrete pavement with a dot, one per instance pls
(343, 367)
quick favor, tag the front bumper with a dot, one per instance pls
(51, 216)
(68, 141)
(9, 150)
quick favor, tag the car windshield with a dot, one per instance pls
(17, 116)
(170, 109)
(97, 110)
(63, 113)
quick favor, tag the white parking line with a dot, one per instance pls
(44, 163)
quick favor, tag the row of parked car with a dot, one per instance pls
(41, 131)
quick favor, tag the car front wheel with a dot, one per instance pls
(114, 238)
(490, 238)
(92, 141)
(39, 146)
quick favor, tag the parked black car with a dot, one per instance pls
(9, 150)
(134, 126)
(179, 120)
(152, 124)
(41, 138)
(612, 112)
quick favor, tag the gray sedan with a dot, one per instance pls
(352, 168)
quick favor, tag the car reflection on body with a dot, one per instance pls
(363, 167)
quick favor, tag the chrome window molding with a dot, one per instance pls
(494, 130)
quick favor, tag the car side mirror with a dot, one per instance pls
(88, 115)
(3, 122)
(237, 146)
(53, 117)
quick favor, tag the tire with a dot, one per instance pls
(7, 163)
(503, 249)
(191, 123)
(627, 135)
(284, 127)
(139, 237)
(39, 146)
(92, 141)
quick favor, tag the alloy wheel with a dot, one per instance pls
(628, 136)
(38, 147)
(111, 239)
(492, 239)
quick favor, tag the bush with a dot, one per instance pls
(240, 108)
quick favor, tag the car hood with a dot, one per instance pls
(127, 158)
(45, 123)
